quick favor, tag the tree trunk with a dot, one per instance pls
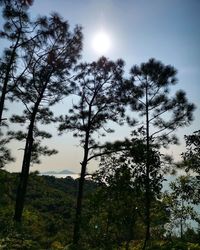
(147, 181)
(181, 222)
(127, 245)
(77, 223)
(21, 191)
(76, 235)
(7, 77)
(2, 100)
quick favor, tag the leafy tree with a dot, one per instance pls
(192, 235)
(191, 158)
(5, 154)
(191, 164)
(115, 215)
(148, 93)
(179, 204)
(49, 59)
(97, 85)
(113, 210)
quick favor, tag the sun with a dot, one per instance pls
(101, 42)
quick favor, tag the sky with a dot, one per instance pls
(167, 30)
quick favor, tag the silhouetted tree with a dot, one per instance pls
(97, 85)
(16, 31)
(191, 158)
(148, 94)
(49, 60)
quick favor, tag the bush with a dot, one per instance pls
(192, 246)
(18, 243)
(56, 245)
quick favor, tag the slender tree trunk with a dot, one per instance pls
(130, 231)
(2, 100)
(7, 78)
(127, 244)
(76, 235)
(21, 191)
(181, 222)
(147, 181)
(77, 223)
(198, 231)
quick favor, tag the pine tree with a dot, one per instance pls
(148, 93)
(49, 59)
(97, 85)
(16, 32)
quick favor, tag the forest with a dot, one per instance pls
(139, 198)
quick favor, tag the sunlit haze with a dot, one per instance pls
(101, 42)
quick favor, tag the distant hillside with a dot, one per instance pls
(48, 213)
(56, 172)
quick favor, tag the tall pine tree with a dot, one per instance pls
(97, 85)
(49, 60)
(148, 93)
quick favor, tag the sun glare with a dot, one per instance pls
(101, 42)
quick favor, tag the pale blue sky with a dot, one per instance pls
(167, 30)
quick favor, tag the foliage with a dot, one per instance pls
(191, 158)
(5, 153)
(116, 213)
(48, 215)
(179, 205)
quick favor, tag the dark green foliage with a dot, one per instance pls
(184, 193)
(116, 212)
(112, 215)
(5, 153)
(191, 158)
(49, 210)
(113, 210)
